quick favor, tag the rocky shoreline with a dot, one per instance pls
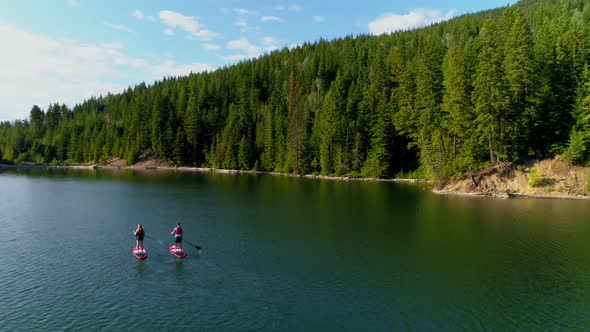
(510, 195)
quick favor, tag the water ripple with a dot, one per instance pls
(347, 263)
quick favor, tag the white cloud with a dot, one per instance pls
(169, 32)
(244, 45)
(319, 19)
(187, 23)
(45, 70)
(118, 27)
(138, 14)
(241, 23)
(211, 47)
(117, 45)
(269, 44)
(249, 50)
(235, 57)
(291, 8)
(244, 26)
(244, 12)
(295, 8)
(268, 40)
(131, 62)
(271, 19)
(419, 17)
(171, 68)
(72, 2)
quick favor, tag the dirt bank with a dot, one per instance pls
(547, 178)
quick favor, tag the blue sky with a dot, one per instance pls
(69, 50)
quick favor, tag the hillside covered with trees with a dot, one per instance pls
(497, 86)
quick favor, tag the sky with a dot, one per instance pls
(67, 51)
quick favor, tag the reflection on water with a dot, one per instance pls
(284, 254)
(179, 266)
(140, 268)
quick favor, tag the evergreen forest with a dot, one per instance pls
(497, 86)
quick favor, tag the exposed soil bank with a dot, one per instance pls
(547, 178)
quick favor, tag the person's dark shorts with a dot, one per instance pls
(178, 239)
(139, 237)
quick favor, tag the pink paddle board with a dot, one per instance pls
(177, 251)
(139, 253)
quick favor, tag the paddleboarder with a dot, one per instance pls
(139, 234)
(177, 232)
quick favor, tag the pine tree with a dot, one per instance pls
(403, 94)
(37, 122)
(430, 131)
(179, 147)
(157, 125)
(578, 151)
(378, 164)
(267, 157)
(139, 129)
(505, 83)
(329, 126)
(519, 84)
(564, 83)
(296, 133)
(243, 154)
(457, 106)
(191, 124)
(488, 93)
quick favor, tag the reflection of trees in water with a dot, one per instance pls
(527, 256)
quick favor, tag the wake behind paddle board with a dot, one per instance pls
(139, 253)
(177, 251)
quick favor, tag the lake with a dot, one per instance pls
(284, 254)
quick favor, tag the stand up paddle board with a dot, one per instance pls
(139, 253)
(177, 251)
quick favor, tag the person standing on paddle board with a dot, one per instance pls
(139, 233)
(177, 232)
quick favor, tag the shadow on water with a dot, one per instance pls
(137, 176)
(140, 268)
(179, 267)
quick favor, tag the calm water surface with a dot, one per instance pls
(284, 254)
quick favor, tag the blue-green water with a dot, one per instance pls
(284, 254)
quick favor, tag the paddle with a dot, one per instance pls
(159, 241)
(194, 245)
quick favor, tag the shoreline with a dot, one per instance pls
(188, 169)
(511, 195)
(546, 178)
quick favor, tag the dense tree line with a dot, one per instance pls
(496, 86)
